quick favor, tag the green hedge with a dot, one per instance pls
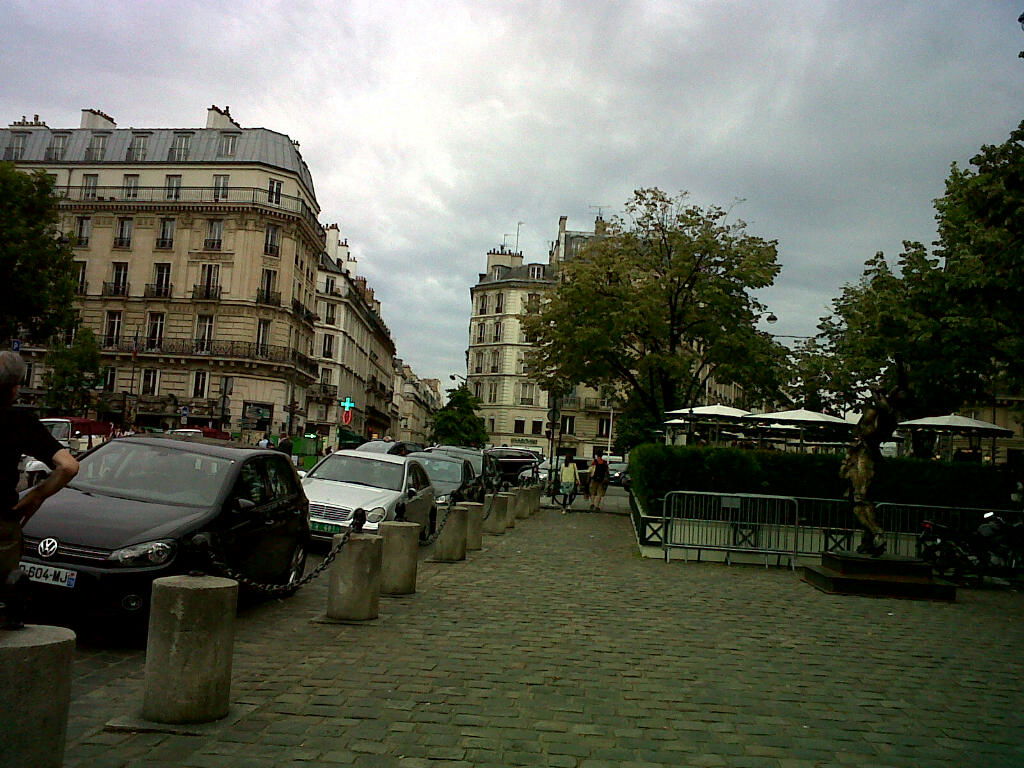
(657, 469)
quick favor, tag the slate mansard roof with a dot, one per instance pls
(252, 145)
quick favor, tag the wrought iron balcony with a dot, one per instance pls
(122, 242)
(206, 292)
(82, 287)
(116, 289)
(256, 196)
(245, 350)
(328, 392)
(112, 341)
(271, 298)
(212, 244)
(165, 242)
(158, 290)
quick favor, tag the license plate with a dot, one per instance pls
(47, 574)
(325, 527)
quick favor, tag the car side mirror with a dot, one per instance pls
(411, 493)
(301, 473)
(244, 505)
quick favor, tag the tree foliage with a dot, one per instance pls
(656, 307)
(38, 289)
(457, 422)
(74, 372)
(952, 315)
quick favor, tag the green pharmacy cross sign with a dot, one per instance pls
(348, 404)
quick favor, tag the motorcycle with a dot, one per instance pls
(995, 548)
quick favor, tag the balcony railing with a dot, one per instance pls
(158, 290)
(271, 249)
(94, 153)
(322, 392)
(271, 298)
(246, 350)
(177, 154)
(165, 242)
(54, 153)
(212, 195)
(81, 242)
(135, 154)
(82, 287)
(212, 244)
(122, 242)
(116, 289)
(301, 312)
(206, 292)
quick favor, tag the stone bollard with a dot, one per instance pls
(400, 552)
(354, 587)
(535, 499)
(523, 503)
(189, 649)
(451, 544)
(474, 525)
(494, 508)
(509, 509)
(35, 691)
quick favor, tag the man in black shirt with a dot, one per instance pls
(22, 434)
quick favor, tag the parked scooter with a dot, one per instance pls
(995, 548)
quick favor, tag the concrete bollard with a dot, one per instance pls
(474, 525)
(451, 544)
(189, 649)
(354, 587)
(35, 691)
(400, 552)
(509, 509)
(523, 503)
(494, 508)
(535, 500)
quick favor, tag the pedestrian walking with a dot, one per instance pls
(24, 434)
(284, 445)
(569, 480)
(599, 475)
(264, 441)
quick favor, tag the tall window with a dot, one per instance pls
(499, 303)
(519, 426)
(478, 362)
(480, 330)
(180, 147)
(81, 286)
(209, 275)
(568, 425)
(268, 286)
(329, 285)
(109, 379)
(214, 234)
(220, 187)
(226, 144)
(155, 330)
(604, 427)
(130, 186)
(274, 192)
(204, 333)
(537, 427)
(112, 328)
(123, 237)
(172, 186)
(119, 278)
(497, 331)
(97, 147)
(492, 392)
(263, 337)
(162, 279)
(138, 148)
(272, 240)
(495, 357)
(478, 390)
(199, 379)
(328, 346)
(483, 305)
(89, 184)
(83, 230)
(325, 375)
(330, 315)
(528, 393)
(166, 238)
(58, 146)
(150, 381)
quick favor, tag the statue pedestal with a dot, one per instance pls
(848, 573)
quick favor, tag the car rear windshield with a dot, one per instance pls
(153, 473)
(439, 469)
(368, 471)
(61, 430)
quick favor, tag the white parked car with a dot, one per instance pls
(379, 483)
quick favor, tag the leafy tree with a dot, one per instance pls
(74, 372)
(656, 307)
(457, 422)
(38, 290)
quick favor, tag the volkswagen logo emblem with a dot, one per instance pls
(47, 547)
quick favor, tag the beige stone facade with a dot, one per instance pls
(196, 253)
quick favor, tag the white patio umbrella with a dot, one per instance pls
(960, 425)
(798, 417)
(719, 411)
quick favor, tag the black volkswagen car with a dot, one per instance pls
(135, 509)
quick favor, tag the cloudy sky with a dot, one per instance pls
(433, 128)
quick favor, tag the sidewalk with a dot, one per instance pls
(559, 646)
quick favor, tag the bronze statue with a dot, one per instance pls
(877, 423)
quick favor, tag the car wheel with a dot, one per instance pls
(296, 568)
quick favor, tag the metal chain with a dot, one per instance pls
(437, 532)
(277, 589)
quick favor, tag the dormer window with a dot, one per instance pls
(497, 272)
(536, 271)
(180, 147)
(226, 144)
(97, 147)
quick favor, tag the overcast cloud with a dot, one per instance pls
(432, 128)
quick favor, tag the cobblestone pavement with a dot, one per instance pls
(559, 646)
